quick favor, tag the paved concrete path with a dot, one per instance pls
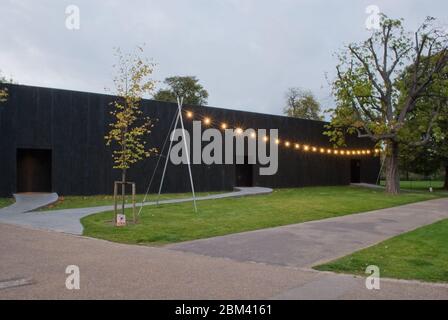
(25, 202)
(37, 259)
(367, 185)
(311, 243)
(68, 220)
(375, 186)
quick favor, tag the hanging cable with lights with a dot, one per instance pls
(287, 144)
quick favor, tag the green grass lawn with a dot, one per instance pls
(420, 185)
(177, 222)
(4, 202)
(421, 254)
(71, 202)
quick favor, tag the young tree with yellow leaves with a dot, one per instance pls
(130, 128)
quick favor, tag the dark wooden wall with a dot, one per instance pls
(73, 124)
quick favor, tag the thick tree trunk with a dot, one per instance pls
(445, 186)
(392, 174)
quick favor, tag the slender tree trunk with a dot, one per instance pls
(445, 186)
(123, 189)
(123, 171)
(392, 174)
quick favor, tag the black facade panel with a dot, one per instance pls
(73, 125)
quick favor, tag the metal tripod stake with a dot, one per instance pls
(179, 117)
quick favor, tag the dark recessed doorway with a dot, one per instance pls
(355, 171)
(243, 174)
(33, 170)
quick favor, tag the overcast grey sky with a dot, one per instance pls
(245, 52)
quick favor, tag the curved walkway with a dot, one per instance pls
(310, 243)
(25, 202)
(39, 258)
(68, 220)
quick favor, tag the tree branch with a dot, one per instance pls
(369, 72)
(427, 135)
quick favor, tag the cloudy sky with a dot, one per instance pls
(245, 52)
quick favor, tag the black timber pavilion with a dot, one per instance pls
(53, 140)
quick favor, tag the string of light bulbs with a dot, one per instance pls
(285, 142)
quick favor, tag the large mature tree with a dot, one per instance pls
(429, 157)
(187, 87)
(428, 124)
(302, 104)
(421, 160)
(130, 128)
(369, 82)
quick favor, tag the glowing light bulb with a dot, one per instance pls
(328, 151)
(322, 150)
(342, 152)
(306, 148)
(363, 151)
(314, 149)
(336, 151)
(189, 114)
(253, 135)
(287, 143)
(368, 151)
(297, 146)
(265, 138)
(277, 141)
(223, 126)
(207, 120)
(238, 130)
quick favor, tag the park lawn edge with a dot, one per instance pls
(91, 226)
(406, 259)
(6, 202)
(76, 202)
